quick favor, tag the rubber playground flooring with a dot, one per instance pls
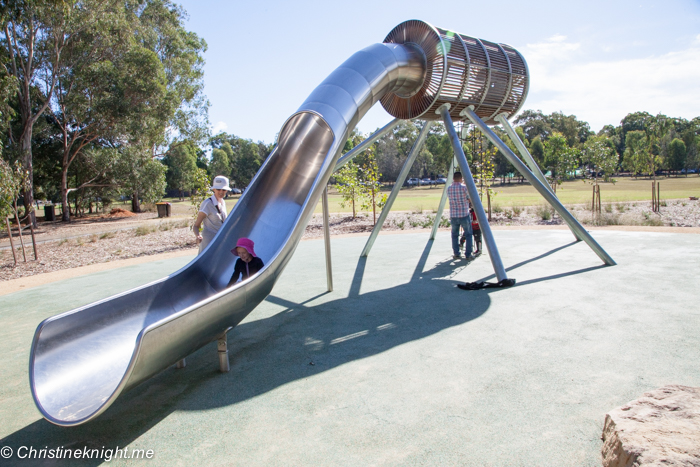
(396, 366)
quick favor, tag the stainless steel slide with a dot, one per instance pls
(82, 360)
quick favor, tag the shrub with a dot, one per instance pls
(517, 210)
(544, 211)
(608, 208)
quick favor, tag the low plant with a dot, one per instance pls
(418, 209)
(509, 214)
(653, 221)
(606, 219)
(517, 210)
(445, 222)
(93, 238)
(143, 230)
(620, 207)
(608, 208)
(414, 223)
(544, 212)
(107, 235)
(428, 222)
(63, 240)
(401, 224)
(496, 208)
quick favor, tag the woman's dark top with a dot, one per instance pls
(254, 266)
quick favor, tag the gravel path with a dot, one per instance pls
(86, 242)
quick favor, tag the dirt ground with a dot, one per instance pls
(118, 237)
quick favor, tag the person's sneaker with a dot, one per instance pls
(456, 257)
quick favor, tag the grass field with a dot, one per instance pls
(515, 194)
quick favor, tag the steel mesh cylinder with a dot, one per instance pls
(461, 71)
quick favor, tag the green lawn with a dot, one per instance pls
(515, 194)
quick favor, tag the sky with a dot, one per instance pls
(597, 60)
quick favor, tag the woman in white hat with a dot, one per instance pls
(212, 213)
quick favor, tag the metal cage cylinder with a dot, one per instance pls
(461, 71)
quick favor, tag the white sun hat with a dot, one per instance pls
(220, 183)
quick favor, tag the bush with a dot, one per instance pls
(544, 211)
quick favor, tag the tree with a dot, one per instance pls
(559, 158)
(199, 190)
(13, 180)
(104, 90)
(369, 175)
(635, 156)
(349, 186)
(600, 157)
(181, 163)
(537, 151)
(140, 175)
(534, 123)
(245, 157)
(33, 37)
(677, 154)
(220, 164)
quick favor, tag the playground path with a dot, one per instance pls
(396, 366)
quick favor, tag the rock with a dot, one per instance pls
(661, 428)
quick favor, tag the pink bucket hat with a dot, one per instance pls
(245, 243)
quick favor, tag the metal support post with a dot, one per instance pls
(527, 157)
(222, 350)
(534, 168)
(348, 156)
(181, 364)
(327, 239)
(495, 257)
(415, 150)
(443, 200)
(578, 229)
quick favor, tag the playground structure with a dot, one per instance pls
(82, 360)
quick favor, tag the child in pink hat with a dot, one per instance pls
(247, 263)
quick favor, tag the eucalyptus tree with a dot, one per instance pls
(105, 86)
(33, 37)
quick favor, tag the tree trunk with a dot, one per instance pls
(135, 205)
(65, 209)
(26, 150)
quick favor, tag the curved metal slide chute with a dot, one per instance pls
(82, 360)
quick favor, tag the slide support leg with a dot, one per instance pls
(473, 194)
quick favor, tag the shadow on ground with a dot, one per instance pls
(302, 340)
